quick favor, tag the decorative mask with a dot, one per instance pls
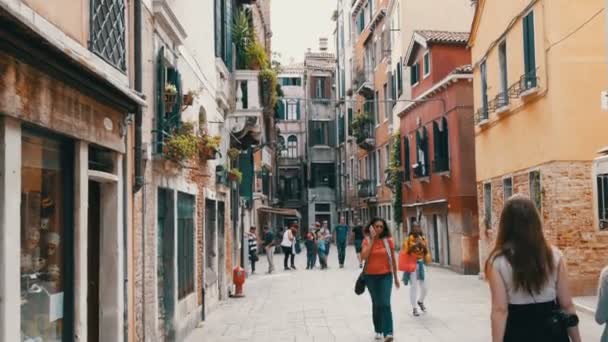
(38, 264)
(44, 223)
(33, 238)
(26, 262)
(53, 240)
(54, 272)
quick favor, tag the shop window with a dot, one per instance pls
(46, 238)
(101, 159)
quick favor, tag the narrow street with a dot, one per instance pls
(321, 306)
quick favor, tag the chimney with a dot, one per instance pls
(322, 44)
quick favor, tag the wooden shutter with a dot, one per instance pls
(313, 84)
(160, 99)
(327, 87)
(218, 27)
(228, 37)
(529, 48)
(281, 109)
(298, 109)
(406, 158)
(246, 167)
(437, 142)
(445, 142)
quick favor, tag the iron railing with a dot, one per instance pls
(501, 100)
(481, 115)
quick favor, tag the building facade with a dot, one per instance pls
(438, 149)
(67, 137)
(533, 69)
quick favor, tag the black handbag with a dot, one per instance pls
(360, 283)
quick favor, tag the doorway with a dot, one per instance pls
(93, 260)
(221, 232)
(436, 239)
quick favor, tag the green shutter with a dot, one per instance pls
(529, 49)
(281, 109)
(445, 143)
(298, 109)
(218, 27)
(418, 146)
(436, 142)
(406, 157)
(228, 37)
(246, 167)
(160, 99)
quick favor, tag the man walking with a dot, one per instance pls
(252, 241)
(358, 237)
(269, 248)
(341, 234)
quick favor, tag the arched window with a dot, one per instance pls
(283, 147)
(292, 146)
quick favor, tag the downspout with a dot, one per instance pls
(138, 167)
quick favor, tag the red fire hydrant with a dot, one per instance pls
(238, 275)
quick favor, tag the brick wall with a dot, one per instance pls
(568, 218)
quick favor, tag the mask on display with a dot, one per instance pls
(53, 240)
(54, 272)
(26, 262)
(44, 223)
(39, 264)
(33, 238)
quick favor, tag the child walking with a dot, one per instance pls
(416, 245)
(311, 251)
(322, 249)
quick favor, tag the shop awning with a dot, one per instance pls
(280, 211)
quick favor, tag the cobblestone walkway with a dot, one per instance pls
(321, 306)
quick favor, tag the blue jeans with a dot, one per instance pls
(341, 251)
(380, 287)
(311, 259)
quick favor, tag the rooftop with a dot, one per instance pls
(444, 37)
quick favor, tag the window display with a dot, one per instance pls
(42, 227)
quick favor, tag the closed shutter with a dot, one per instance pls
(228, 37)
(281, 109)
(399, 78)
(160, 98)
(406, 158)
(298, 110)
(445, 143)
(246, 168)
(437, 143)
(218, 27)
(331, 126)
(326, 88)
(350, 121)
(425, 150)
(312, 87)
(529, 49)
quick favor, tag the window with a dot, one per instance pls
(373, 54)
(343, 176)
(387, 107)
(342, 83)
(167, 118)
(223, 31)
(503, 97)
(377, 107)
(426, 64)
(422, 154)
(415, 74)
(292, 146)
(484, 89)
(376, 160)
(602, 200)
(487, 205)
(441, 144)
(293, 109)
(283, 146)
(185, 244)
(529, 52)
(350, 121)
(323, 175)
(107, 38)
(535, 189)
(352, 172)
(387, 156)
(399, 78)
(406, 158)
(290, 81)
(359, 170)
(321, 87)
(324, 207)
(361, 22)
(341, 128)
(322, 133)
(507, 187)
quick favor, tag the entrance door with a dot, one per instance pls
(446, 233)
(165, 269)
(436, 239)
(221, 233)
(93, 261)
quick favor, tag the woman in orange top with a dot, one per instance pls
(380, 272)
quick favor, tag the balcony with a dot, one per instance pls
(501, 102)
(481, 117)
(364, 82)
(246, 122)
(285, 161)
(365, 135)
(322, 154)
(528, 84)
(366, 189)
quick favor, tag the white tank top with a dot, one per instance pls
(286, 242)
(547, 294)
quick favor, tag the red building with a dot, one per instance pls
(438, 149)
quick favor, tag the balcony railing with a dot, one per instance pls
(364, 82)
(526, 82)
(501, 100)
(366, 188)
(481, 115)
(366, 136)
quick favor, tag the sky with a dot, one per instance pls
(298, 24)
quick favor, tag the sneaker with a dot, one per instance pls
(287, 269)
(388, 338)
(378, 337)
(416, 313)
(422, 307)
(293, 268)
(341, 266)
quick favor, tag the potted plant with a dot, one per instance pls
(256, 56)
(268, 84)
(182, 144)
(170, 96)
(209, 146)
(189, 98)
(234, 153)
(234, 175)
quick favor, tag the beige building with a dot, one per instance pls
(539, 68)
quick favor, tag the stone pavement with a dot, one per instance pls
(320, 306)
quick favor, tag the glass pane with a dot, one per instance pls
(42, 238)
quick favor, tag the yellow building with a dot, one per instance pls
(539, 69)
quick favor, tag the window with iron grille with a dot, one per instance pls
(602, 200)
(108, 31)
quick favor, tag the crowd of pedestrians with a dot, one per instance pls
(527, 276)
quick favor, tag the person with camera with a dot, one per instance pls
(528, 280)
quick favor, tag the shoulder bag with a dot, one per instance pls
(360, 283)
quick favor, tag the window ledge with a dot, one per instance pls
(529, 93)
(483, 123)
(425, 179)
(445, 174)
(504, 109)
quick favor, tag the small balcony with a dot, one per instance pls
(364, 82)
(526, 86)
(285, 161)
(365, 136)
(501, 102)
(366, 188)
(246, 121)
(481, 116)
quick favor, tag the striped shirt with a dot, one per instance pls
(253, 243)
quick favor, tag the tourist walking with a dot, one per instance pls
(321, 250)
(380, 274)
(531, 301)
(341, 235)
(311, 251)
(601, 312)
(415, 245)
(327, 236)
(287, 246)
(358, 237)
(268, 244)
(252, 242)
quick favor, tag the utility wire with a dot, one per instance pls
(577, 29)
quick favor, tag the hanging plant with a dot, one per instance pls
(170, 96)
(182, 144)
(234, 153)
(268, 81)
(234, 175)
(359, 126)
(209, 146)
(256, 56)
(189, 97)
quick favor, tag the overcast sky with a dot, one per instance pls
(298, 25)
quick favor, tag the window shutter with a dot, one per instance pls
(406, 157)
(446, 140)
(350, 121)
(228, 37)
(331, 126)
(313, 85)
(160, 98)
(437, 142)
(177, 109)
(218, 27)
(327, 87)
(246, 166)
(418, 147)
(297, 109)
(529, 48)
(281, 109)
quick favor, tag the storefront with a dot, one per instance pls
(63, 135)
